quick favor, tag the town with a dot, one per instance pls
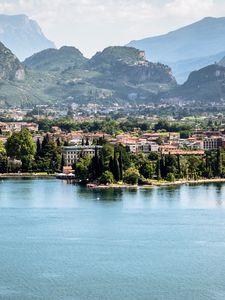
(100, 149)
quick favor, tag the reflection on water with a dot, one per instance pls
(52, 193)
(100, 195)
(61, 241)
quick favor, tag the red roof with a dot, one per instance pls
(185, 152)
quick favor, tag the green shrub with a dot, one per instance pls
(131, 176)
(107, 178)
(170, 177)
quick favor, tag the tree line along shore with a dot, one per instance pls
(113, 165)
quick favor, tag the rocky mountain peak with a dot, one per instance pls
(10, 66)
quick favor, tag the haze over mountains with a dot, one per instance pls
(189, 48)
(118, 74)
(22, 36)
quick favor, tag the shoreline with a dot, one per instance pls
(115, 186)
(156, 184)
(26, 176)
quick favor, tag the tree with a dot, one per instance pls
(82, 168)
(178, 166)
(38, 148)
(121, 165)
(131, 176)
(162, 125)
(58, 143)
(111, 165)
(146, 169)
(62, 162)
(194, 170)
(170, 177)
(219, 163)
(158, 169)
(3, 163)
(27, 162)
(45, 125)
(2, 148)
(21, 146)
(116, 170)
(171, 165)
(107, 178)
(162, 164)
(50, 155)
(3, 158)
(96, 166)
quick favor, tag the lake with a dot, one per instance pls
(61, 241)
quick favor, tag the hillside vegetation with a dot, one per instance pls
(118, 74)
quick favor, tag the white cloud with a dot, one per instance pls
(183, 8)
(93, 24)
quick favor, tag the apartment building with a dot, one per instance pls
(212, 143)
(72, 153)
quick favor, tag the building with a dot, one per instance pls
(174, 137)
(18, 126)
(184, 152)
(166, 148)
(67, 170)
(72, 153)
(212, 143)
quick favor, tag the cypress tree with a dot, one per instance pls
(162, 164)
(178, 166)
(219, 163)
(58, 143)
(116, 170)
(209, 165)
(44, 144)
(111, 165)
(96, 164)
(101, 165)
(121, 165)
(158, 169)
(3, 163)
(95, 168)
(62, 162)
(38, 148)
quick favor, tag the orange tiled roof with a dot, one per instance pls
(185, 152)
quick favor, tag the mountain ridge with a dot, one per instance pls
(10, 66)
(117, 74)
(55, 59)
(199, 41)
(22, 35)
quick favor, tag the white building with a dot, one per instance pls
(72, 153)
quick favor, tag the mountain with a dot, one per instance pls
(18, 85)
(206, 85)
(188, 48)
(10, 66)
(127, 64)
(22, 35)
(115, 75)
(56, 59)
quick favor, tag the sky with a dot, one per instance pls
(92, 25)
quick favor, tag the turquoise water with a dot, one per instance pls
(59, 241)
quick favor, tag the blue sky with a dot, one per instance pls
(92, 25)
